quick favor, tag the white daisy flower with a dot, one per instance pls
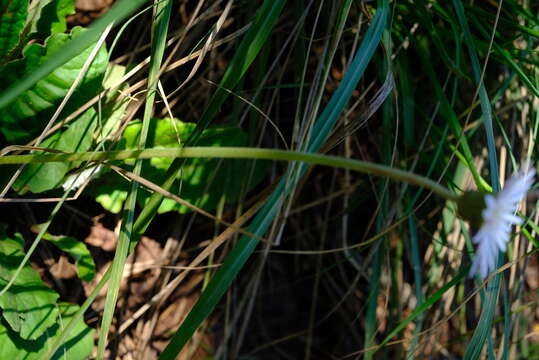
(498, 217)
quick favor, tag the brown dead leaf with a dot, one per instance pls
(173, 315)
(63, 269)
(101, 237)
(168, 322)
(148, 250)
(142, 271)
(93, 5)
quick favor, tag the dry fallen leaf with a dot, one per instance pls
(101, 237)
(93, 5)
(63, 269)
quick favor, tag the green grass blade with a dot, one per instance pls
(117, 270)
(418, 282)
(159, 38)
(483, 96)
(78, 316)
(508, 57)
(478, 12)
(425, 306)
(343, 93)
(483, 329)
(249, 48)
(506, 324)
(372, 299)
(484, 325)
(380, 248)
(447, 112)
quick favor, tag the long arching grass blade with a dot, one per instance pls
(484, 325)
(159, 38)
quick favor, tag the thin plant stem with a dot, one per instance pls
(241, 153)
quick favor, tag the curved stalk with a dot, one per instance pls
(240, 153)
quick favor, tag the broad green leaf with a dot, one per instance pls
(202, 182)
(71, 50)
(78, 345)
(47, 17)
(78, 251)
(25, 117)
(12, 18)
(110, 198)
(76, 138)
(29, 306)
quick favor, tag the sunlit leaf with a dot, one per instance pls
(78, 346)
(48, 17)
(77, 137)
(25, 117)
(29, 306)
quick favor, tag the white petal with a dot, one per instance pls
(490, 201)
(501, 241)
(512, 218)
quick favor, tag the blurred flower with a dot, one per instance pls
(498, 217)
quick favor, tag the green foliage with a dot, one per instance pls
(20, 23)
(12, 19)
(27, 115)
(452, 69)
(202, 182)
(78, 345)
(31, 318)
(77, 137)
(29, 306)
(114, 108)
(70, 50)
(47, 17)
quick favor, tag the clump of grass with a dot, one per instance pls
(319, 261)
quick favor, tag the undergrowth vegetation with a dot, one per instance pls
(268, 179)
